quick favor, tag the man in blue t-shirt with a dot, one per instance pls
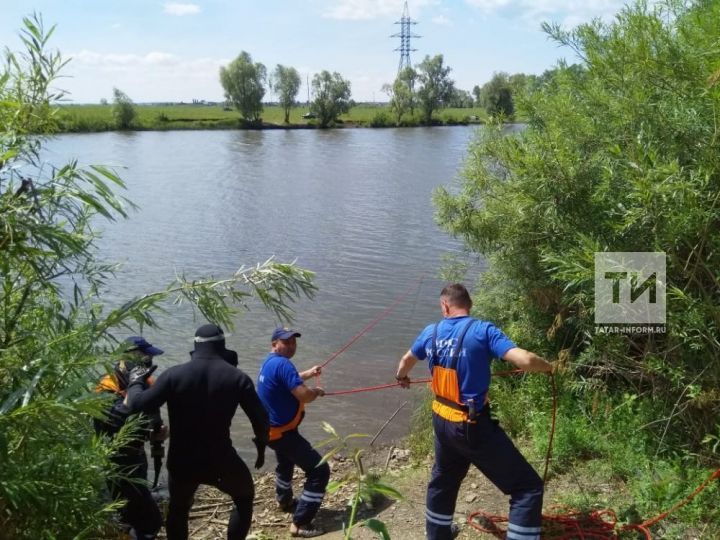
(459, 350)
(283, 392)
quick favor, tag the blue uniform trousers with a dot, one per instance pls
(290, 450)
(485, 445)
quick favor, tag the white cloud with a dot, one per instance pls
(155, 76)
(442, 20)
(159, 58)
(120, 61)
(568, 12)
(175, 8)
(489, 5)
(372, 9)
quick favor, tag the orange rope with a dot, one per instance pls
(416, 381)
(663, 515)
(413, 286)
(569, 524)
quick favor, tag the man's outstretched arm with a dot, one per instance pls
(527, 360)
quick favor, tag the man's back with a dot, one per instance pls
(202, 397)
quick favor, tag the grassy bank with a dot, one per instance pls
(88, 118)
(602, 457)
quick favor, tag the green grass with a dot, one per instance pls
(82, 118)
(604, 454)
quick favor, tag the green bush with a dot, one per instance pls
(123, 110)
(619, 154)
(381, 119)
(410, 121)
(55, 333)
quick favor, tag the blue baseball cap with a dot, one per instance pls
(138, 343)
(284, 333)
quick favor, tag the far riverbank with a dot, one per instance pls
(165, 117)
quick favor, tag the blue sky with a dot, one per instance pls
(172, 51)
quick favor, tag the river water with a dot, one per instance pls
(352, 205)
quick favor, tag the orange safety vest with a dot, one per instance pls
(109, 383)
(276, 432)
(445, 384)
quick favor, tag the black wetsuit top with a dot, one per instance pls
(202, 396)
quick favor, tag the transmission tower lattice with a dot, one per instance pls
(405, 35)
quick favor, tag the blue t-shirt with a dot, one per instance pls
(278, 377)
(483, 342)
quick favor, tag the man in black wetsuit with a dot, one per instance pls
(202, 396)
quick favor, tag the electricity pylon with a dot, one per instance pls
(405, 36)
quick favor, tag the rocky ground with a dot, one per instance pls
(404, 519)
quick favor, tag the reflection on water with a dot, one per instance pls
(354, 206)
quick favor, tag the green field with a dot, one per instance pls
(83, 118)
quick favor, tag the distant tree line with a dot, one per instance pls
(428, 88)
(245, 83)
(499, 95)
(425, 88)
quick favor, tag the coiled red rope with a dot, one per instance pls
(569, 524)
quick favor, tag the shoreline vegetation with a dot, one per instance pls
(620, 154)
(196, 116)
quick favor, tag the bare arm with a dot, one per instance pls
(314, 371)
(404, 367)
(527, 360)
(306, 395)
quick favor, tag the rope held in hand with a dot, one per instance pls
(416, 381)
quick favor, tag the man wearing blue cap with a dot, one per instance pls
(140, 512)
(283, 392)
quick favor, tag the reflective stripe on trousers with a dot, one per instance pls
(485, 445)
(290, 450)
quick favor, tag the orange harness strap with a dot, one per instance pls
(445, 383)
(276, 432)
(109, 383)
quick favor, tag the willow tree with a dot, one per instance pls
(401, 94)
(331, 97)
(54, 326)
(285, 81)
(244, 84)
(619, 154)
(435, 85)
